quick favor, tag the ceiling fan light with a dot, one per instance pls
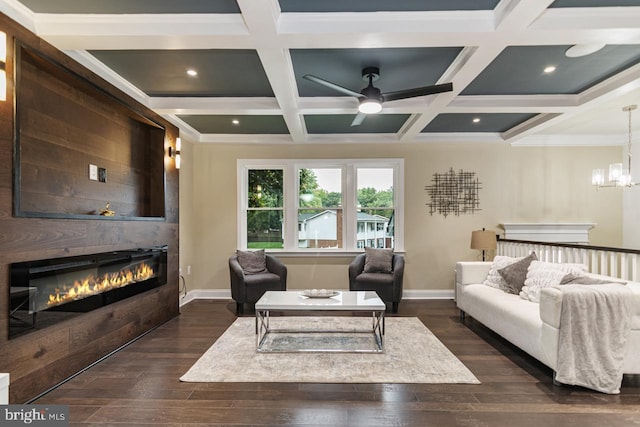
(370, 106)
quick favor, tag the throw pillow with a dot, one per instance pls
(252, 262)
(494, 279)
(515, 274)
(544, 274)
(378, 260)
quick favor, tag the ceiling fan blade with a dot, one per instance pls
(419, 91)
(330, 85)
(358, 119)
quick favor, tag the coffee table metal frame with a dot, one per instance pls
(295, 301)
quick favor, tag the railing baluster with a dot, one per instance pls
(584, 255)
(613, 265)
(615, 262)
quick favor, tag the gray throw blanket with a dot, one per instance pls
(595, 322)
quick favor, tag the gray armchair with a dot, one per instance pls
(248, 288)
(388, 286)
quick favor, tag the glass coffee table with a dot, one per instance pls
(329, 339)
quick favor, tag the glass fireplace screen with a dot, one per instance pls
(47, 291)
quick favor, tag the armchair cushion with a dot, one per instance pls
(378, 260)
(252, 262)
(375, 279)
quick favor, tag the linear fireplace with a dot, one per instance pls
(48, 291)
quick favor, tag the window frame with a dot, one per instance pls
(290, 193)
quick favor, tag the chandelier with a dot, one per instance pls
(618, 175)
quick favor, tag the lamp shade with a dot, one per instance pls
(483, 240)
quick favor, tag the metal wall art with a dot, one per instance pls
(454, 193)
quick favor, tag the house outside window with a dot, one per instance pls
(320, 205)
(320, 209)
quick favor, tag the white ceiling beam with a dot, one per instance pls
(186, 131)
(620, 84)
(223, 138)
(215, 105)
(19, 13)
(261, 19)
(566, 140)
(309, 30)
(143, 31)
(513, 104)
(517, 15)
(459, 137)
(589, 19)
(464, 69)
(319, 24)
(347, 105)
(90, 61)
(531, 126)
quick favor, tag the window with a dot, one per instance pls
(265, 209)
(320, 205)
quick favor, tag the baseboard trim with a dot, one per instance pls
(225, 294)
(428, 294)
(205, 294)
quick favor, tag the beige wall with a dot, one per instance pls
(631, 213)
(518, 185)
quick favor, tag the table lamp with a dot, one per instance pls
(483, 240)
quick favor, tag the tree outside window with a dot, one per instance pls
(265, 211)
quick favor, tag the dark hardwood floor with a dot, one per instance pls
(139, 386)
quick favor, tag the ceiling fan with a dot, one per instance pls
(371, 98)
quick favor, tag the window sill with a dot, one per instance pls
(320, 254)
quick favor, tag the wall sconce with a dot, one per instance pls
(3, 66)
(174, 153)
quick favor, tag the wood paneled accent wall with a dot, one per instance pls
(41, 359)
(63, 124)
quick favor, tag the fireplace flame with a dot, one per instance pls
(92, 285)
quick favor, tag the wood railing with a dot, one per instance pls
(615, 262)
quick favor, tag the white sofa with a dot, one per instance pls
(533, 327)
(4, 389)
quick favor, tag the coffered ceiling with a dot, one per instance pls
(250, 57)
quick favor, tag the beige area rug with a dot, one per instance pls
(412, 355)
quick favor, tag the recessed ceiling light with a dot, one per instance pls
(578, 50)
(235, 122)
(549, 69)
(476, 120)
(191, 72)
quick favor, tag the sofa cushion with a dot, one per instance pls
(508, 315)
(544, 274)
(494, 279)
(515, 274)
(378, 260)
(252, 262)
